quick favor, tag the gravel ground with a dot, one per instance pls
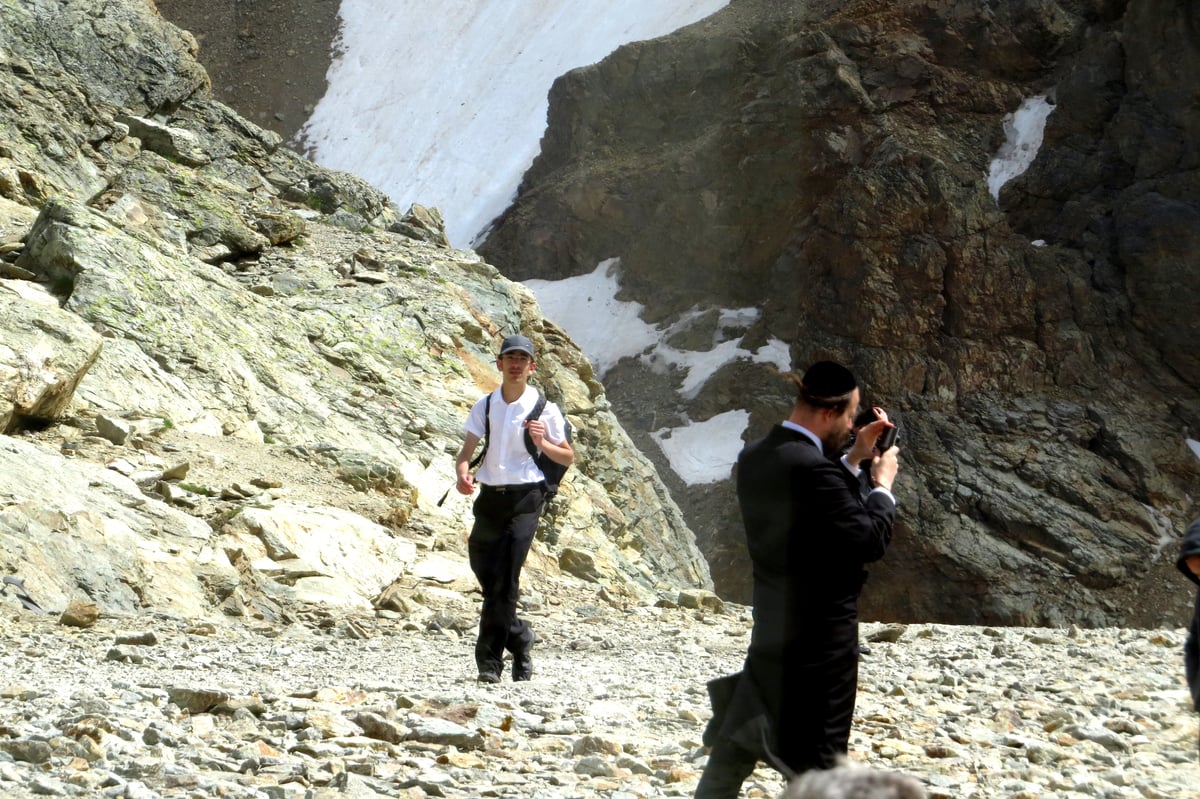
(386, 706)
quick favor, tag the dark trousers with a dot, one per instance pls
(816, 712)
(811, 721)
(505, 523)
(728, 767)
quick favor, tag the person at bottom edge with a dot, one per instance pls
(1189, 564)
(512, 493)
(809, 529)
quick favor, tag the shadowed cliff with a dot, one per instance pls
(827, 164)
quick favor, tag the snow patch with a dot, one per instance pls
(444, 103)
(704, 452)
(608, 329)
(1023, 131)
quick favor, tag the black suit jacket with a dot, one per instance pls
(1191, 652)
(810, 530)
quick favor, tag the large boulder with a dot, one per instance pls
(44, 354)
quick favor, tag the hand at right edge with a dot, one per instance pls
(884, 468)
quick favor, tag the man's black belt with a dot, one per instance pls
(512, 489)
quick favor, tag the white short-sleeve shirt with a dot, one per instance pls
(507, 462)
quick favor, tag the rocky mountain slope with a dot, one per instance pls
(827, 164)
(1045, 391)
(232, 382)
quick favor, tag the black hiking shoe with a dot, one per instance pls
(522, 669)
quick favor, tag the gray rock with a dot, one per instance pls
(44, 353)
(441, 731)
(26, 751)
(125, 654)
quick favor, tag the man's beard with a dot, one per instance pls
(834, 441)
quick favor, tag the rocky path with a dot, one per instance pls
(157, 707)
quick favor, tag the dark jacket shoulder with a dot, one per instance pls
(1191, 647)
(1189, 547)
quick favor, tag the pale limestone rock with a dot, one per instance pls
(444, 569)
(67, 546)
(322, 538)
(44, 353)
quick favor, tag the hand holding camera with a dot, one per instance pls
(873, 425)
(867, 422)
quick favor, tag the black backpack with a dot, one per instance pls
(552, 470)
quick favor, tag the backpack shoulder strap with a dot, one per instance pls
(487, 431)
(536, 413)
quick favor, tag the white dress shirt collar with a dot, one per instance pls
(790, 425)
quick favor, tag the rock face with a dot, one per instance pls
(826, 163)
(232, 381)
(271, 58)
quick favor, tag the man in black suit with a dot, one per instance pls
(809, 532)
(1189, 564)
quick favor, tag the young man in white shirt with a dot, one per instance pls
(511, 497)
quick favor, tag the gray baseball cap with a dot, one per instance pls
(516, 344)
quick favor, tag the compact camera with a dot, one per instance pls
(887, 439)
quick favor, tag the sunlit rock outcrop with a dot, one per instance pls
(233, 381)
